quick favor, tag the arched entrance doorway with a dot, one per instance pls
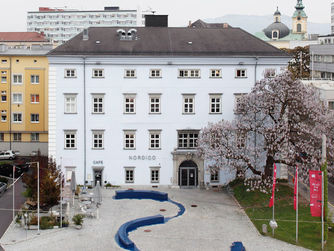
(188, 174)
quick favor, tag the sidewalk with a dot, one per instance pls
(214, 224)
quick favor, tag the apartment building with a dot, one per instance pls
(24, 92)
(61, 25)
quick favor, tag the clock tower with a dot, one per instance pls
(299, 19)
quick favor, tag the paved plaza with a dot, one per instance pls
(214, 224)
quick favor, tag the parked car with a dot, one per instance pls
(7, 170)
(7, 155)
(3, 187)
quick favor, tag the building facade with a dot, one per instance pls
(332, 18)
(24, 94)
(322, 60)
(127, 105)
(325, 89)
(61, 25)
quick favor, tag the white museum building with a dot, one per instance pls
(126, 105)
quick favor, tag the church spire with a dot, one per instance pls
(299, 5)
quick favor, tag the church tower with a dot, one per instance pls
(299, 19)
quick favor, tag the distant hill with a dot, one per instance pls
(253, 24)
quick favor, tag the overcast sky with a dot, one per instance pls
(13, 13)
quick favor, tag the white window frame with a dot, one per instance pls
(155, 178)
(132, 170)
(97, 73)
(214, 109)
(15, 99)
(214, 176)
(129, 106)
(237, 97)
(97, 110)
(329, 106)
(4, 114)
(215, 73)
(241, 73)
(17, 115)
(130, 73)
(188, 140)
(189, 73)
(187, 105)
(17, 76)
(98, 142)
(154, 140)
(155, 73)
(129, 142)
(18, 136)
(70, 73)
(34, 138)
(71, 140)
(269, 73)
(154, 106)
(70, 104)
(34, 79)
(34, 95)
(36, 115)
(3, 79)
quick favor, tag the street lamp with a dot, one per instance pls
(37, 162)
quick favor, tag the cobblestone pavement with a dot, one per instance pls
(214, 224)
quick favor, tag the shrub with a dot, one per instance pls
(33, 220)
(4, 180)
(47, 222)
(108, 185)
(78, 219)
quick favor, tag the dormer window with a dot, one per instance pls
(275, 34)
(129, 35)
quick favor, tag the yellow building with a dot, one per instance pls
(24, 96)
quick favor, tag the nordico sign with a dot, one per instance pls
(142, 157)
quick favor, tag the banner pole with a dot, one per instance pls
(297, 205)
(322, 210)
(273, 200)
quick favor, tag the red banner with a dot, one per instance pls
(295, 190)
(315, 192)
(271, 202)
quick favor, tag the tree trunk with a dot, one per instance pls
(268, 170)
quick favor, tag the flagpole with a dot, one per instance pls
(273, 200)
(13, 192)
(296, 180)
(322, 210)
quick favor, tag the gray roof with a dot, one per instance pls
(282, 28)
(165, 41)
(201, 24)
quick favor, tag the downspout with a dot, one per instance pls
(84, 101)
(10, 103)
(255, 140)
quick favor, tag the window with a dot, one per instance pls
(70, 139)
(34, 98)
(17, 79)
(70, 103)
(129, 140)
(331, 105)
(129, 174)
(34, 137)
(214, 176)
(17, 98)
(215, 103)
(98, 139)
(237, 103)
(241, 139)
(155, 73)
(70, 73)
(155, 103)
(34, 79)
(241, 73)
(187, 139)
(17, 117)
(299, 27)
(130, 103)
(215, 73)
(2, 136)
(155, 174)
(98, 73)
(3, 115)
(98, 101)
(195, 73)
(3, 96)
(17, 136)
(188, 104)
(274, 34)
(130, 73)
(154, 139)
(3, 79)
(34, 118)
(4, 61)
(269, 73)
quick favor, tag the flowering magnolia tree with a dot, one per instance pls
(280, 121)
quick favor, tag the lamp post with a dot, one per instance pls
(37, 163)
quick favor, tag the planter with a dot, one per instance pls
(78, 227)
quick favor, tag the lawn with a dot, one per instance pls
(256, 204)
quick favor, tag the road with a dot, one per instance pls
(6, 205)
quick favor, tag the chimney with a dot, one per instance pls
(225, 25)
(156, 20)
(189, 24)
(85, 34)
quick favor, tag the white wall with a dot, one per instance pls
(169, 121)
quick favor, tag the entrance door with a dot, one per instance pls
(188, 174)
(97, 177)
